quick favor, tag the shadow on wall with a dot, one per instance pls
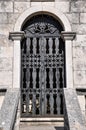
(59, 128)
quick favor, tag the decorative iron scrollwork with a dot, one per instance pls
(42, 28)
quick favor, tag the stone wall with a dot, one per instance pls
(75, 11)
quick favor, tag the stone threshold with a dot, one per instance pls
(43, 119)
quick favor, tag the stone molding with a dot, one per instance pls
(68, 35)
(16, 35)
(56, 13)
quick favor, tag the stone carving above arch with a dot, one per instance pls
(47, 10)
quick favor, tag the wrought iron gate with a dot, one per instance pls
(42, 69)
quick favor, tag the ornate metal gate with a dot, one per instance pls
(42, 69)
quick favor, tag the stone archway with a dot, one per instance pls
(68, 37)
(42, 67)
(46, 9)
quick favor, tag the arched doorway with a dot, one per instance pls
(42, 67)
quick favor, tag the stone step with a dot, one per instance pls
(25, 126)
(43, 121)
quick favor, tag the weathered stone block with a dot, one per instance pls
(62, 6)
(81, 99)
(12, 18)
(79, 58)
(60, 0)
(36, 3)
(19, 7)
(6, 52)
(3, 18)
(5, 78)
(43, 3)
(48, 3)
(6, 6)
(6, 28)
(80, 40)
(79, 63)
(6, 64)
(73, 17)
(79, 52)
(79, 28)
(78, 6)
(23, 0)
(80, 77)
(4, 41)
(82, 17)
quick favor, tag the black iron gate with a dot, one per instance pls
(42, 69)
